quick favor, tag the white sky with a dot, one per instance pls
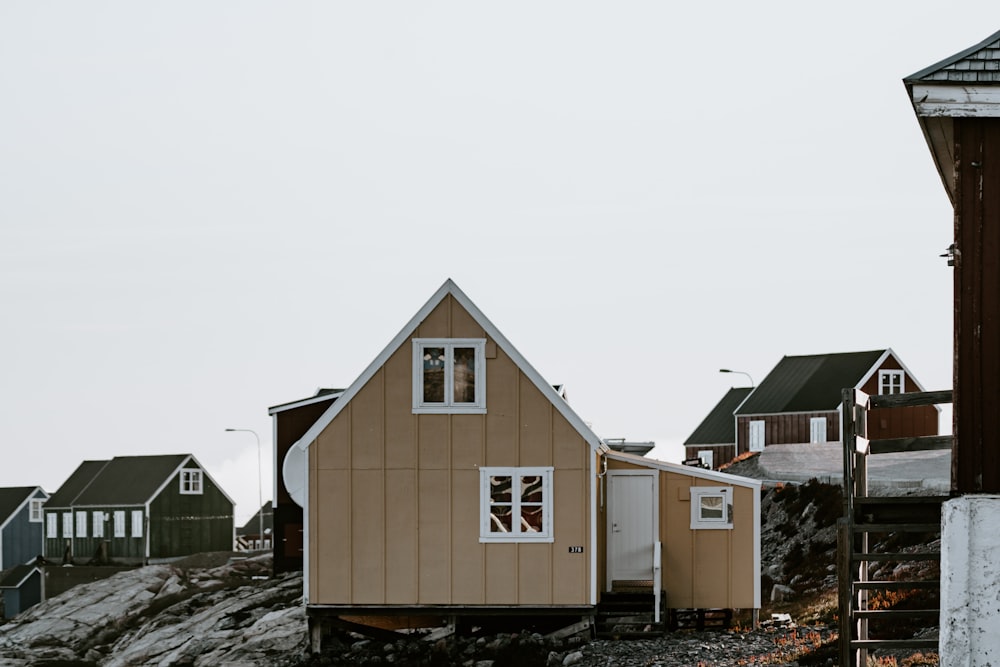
(209, 208)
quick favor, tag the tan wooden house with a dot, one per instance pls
(451, 478)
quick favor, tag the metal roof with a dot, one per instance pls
(11, 498)
(719, 427)
(809, 383)
(77, 482)
(130, 480)
(976, 64)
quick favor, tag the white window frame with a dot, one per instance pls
(887, 382)
(97, 523)
(119, 523)
(486, 518)
(449, 406)
(81, 524)
(67, 523)
(137, 521)
(817, 429)
(698, 521)
(192, 482)
(707, 457)
(35, 510)
(52, 525)
(755, 435)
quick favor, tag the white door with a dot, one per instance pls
(632, 516)
(817, 429)
(757, 436)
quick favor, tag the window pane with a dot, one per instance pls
(711, 507)
(531, 518)
(434, 359)
(465, 375)
(531, 489)
(500, 490)
(500, 518)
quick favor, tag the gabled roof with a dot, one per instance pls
(811, 383)
(252, 527)
(322, 394)
(12, 498)
(719, 427)
(18, 575)
(449, 288)
(124, 480)
(77, 482)
(976, 64)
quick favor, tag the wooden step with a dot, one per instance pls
(894, 643)
(896, 613)
(899, 556)
(895, 585)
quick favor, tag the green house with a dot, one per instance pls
(137, 509)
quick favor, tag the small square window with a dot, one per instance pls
(98, 524)
(890, 382)
(516, 505)
(449, 375)
(81, 524)
(35, 510)
(137, 521)
(191, 482)
(52, 525)
(67, 524)
(711, 507)
(119, 517)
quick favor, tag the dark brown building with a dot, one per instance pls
(291, 421)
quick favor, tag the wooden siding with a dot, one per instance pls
(394, 497)
(21, 539)
(721, 453)
(899, 422)
(183, 524)
(701, 568)
(785, 429)
(975, 457)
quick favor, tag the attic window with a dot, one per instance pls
(711, 508)
(191, 482)
(449, 375)
(35, 510)
(515, 504)
(890, 382)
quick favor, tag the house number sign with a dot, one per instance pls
(576, 550)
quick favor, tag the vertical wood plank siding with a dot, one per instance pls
(394, 497)
(181, 524)
(975, 457)
(701, 568)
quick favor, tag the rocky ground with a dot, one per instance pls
(210, 611)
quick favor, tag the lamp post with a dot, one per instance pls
(726, 370)
(260, 483)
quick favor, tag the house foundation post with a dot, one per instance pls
(970, 581)
(315, 635)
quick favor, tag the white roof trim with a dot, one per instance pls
(878, 365)
(690, 471)
(177, 470)
(305, 401)
(23, 579)
(449, 287)
(955, 99)
(25, 502)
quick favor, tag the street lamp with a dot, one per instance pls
(260, 483)
(726, 370)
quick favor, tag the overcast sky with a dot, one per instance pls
(210, 208)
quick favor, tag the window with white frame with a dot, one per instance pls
(81, 524)
(51, 525)
(67, 524)
(97, 522)
(35, 510)
(191, 482)
(756, 440)
(817, 429)
(119, 519)
(449, 375)
(890, 382)
(515, 504)
(711, 507)
(137, 523)
(707, 457)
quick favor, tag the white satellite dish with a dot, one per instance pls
(293, 473)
